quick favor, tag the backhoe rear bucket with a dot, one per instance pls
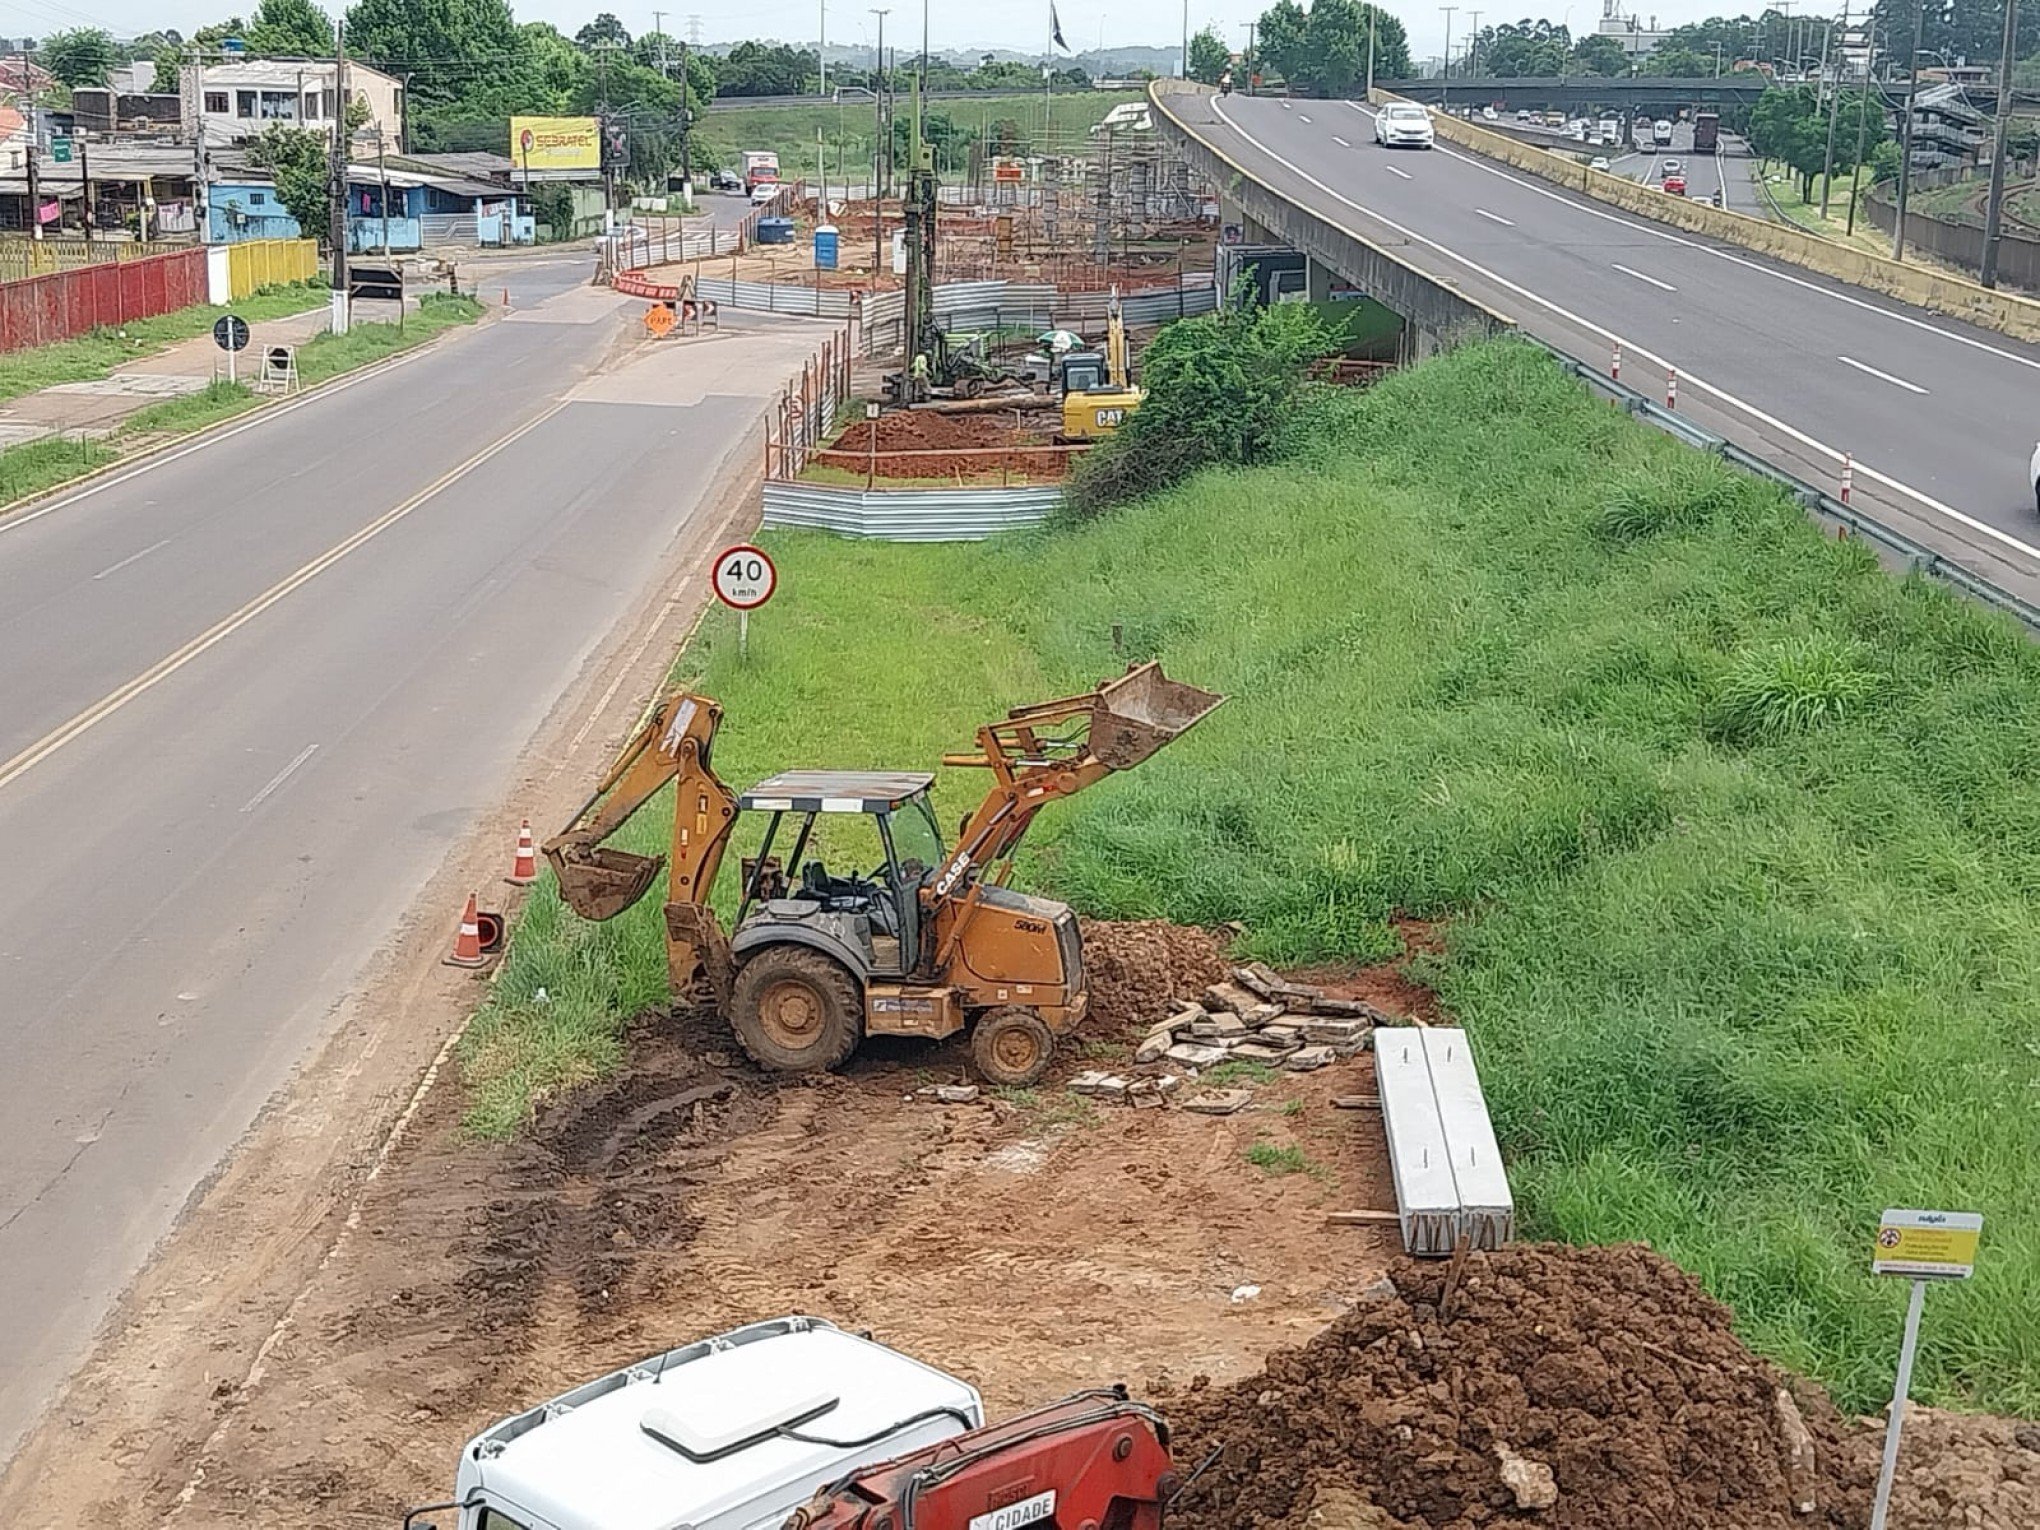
(598, 882)
(1141, 711)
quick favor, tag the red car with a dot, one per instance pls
(1675, 185)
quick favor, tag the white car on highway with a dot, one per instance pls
(1403, 124)
(1598, 162)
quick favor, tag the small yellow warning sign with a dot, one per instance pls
(1927, 1245)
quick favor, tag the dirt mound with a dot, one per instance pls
(1136, 968)
(920, 443)
(1960, 1469)
(923, 430)
(1593, 1389)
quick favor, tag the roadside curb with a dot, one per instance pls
(91, 482)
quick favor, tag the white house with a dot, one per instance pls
(229, 103)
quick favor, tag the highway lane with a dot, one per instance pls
(1935, 411)
(206, 864)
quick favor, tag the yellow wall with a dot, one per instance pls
(257, 263)
(21, 257)
(2008, 315)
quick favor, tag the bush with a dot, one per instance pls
(1219, 390)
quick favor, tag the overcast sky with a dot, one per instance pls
(1021, 24)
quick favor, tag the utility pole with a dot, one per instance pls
(34, 156)
(1905, 149)
(1993, 217)
(924, 74)
(1253, 66)
(881, 143)
(382, 170)
(1827, 170)
(1862, 119)
(1185, 71)
(686, 126)
(1372, 12)
(1473, 48)
(1445, 74)
(337, 214)
(822, 54)
(85, 183)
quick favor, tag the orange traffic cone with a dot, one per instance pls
(524, 871)
(467, 945)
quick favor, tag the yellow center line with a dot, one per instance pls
(163, 669)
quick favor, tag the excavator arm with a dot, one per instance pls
(1043, 753)
(598, 881)
(1095, 1459)
(1118, 370)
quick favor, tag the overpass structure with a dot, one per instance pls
(1641, 93)
(1799, 370)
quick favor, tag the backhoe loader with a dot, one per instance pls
(929, 942)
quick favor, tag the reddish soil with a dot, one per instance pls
(1137, 970)
(922, 443)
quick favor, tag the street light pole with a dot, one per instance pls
(1827, 169)
(1911, 111)
(1862, 119)
(1445, 75)
(1473, 47)
(1372, 12)
(1993, 217)
(1253, 66)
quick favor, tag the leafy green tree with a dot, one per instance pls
(765, 69)
(291, 28)
(80, 56)
(295, 158)
(605, 28)
(1219, 391)
(1324, 51)
(1679, 64)
(1598, 55)
(447, 46)
(1524, 48)
(1209, 57)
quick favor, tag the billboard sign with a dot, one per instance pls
(555, 146)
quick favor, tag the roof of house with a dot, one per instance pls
(452, 185)
(283, 71)
(478, 164)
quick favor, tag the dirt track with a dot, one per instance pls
(1035, 1244)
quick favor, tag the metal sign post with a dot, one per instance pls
(230, 334)
(1923, 1246)
(744, 580)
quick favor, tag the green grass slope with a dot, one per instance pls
(1736, 837)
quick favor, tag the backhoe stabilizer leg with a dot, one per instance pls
(698, 954)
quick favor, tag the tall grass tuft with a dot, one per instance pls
(1792, 686)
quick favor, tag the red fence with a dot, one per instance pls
(67, 303)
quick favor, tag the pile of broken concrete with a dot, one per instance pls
(1252, 1016)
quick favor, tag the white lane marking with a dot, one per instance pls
(1301, 118)
(1496, 218)
(22, 763)
(261, 417)
(1626, 271)
(1706, 249)
(1896, 382)
(1285, 106)
(1391, 169)
(279, 778)
(114, 568)
(1340, 141)
(1761, 417)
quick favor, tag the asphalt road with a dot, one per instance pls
(1939, 416)
(254, 695)
(1726, 170)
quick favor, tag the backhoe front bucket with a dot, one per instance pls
(1141, 711)
(598, 882)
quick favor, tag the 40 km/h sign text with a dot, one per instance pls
(744, 577)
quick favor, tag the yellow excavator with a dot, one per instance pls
(1097, 388)
(929, 942)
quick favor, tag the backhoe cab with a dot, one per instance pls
(1097, 386)
(927, 941)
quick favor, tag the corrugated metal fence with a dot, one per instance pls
(23, 258)
(907, 515)
(258, 263)
(69, 303)
(999, 305)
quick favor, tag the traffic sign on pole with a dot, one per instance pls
(744, 581)
(230, 332)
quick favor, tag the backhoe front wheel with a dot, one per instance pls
(796, 1011)
(1012, 1047)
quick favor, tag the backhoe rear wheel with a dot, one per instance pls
(795, 1010)
(1012, 1047)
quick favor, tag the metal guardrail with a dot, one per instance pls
(907, 515)
(1818, 501)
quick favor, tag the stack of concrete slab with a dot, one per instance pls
(1450, 1182)
(1256, 1016)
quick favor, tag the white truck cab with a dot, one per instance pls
(730, 1433)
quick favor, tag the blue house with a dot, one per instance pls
(247, 209)
(402, 210)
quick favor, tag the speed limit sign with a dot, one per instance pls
(744, 577)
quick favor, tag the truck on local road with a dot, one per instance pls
(1611, 131)
(1706, 132)
(1661, 133)
(761, 168)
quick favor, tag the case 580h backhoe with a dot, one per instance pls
(930, 941)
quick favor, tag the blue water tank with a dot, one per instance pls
(775, 231)
(825, 247)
